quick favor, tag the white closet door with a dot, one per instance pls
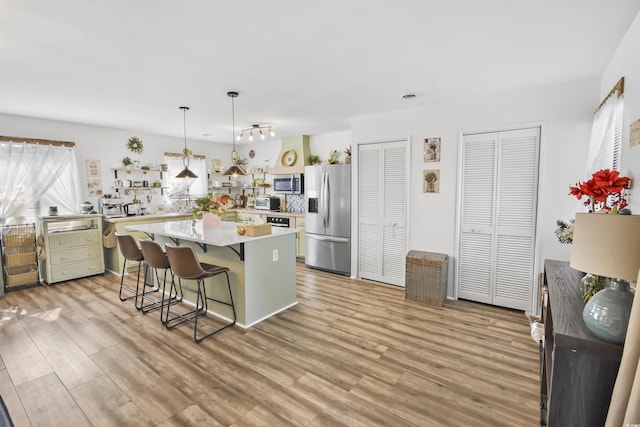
(498, 217)
(370, 212)
(475, 274)
(516, 217)
(383, 212)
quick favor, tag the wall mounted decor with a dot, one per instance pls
(431, 181)
(634, 135)
(93, 168)
(432, 150)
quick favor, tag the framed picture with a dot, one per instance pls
(93, 168)
(95, 187)
(634, 136)
(432, 150)
(431, 181)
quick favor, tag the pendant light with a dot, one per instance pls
(186, 173)
(234, 170)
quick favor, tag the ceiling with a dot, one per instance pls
(305, 67)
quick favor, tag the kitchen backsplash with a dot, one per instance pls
(295, 203)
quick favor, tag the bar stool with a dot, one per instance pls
(186, 266)
(130, 252)
(156, 259)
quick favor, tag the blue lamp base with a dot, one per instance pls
(607, 312)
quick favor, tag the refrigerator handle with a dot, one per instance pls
(325, 199)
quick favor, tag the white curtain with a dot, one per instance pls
(34, 176)
(604, 146)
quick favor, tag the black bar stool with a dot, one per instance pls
(156, 259)
(186, 266)
(130, 252)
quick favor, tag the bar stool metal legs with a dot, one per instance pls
(157, 260)
(130, 252)
(185, 266)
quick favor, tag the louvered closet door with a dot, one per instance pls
(497, 241)
(383, 210)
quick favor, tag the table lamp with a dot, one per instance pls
(608, 245)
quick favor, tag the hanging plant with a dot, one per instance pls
(135, 145)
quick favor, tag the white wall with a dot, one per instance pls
(268, 150)
(626, 62)
(565, 112)
(109, 145)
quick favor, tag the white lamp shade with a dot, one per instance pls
(607, 245)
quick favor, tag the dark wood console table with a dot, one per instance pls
(577, 369)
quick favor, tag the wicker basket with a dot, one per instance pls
(15, 238)
(22, 275)
(426, 279)
(257, 230)
(109, 237)
(19, 255)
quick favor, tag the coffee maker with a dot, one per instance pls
(111, 207)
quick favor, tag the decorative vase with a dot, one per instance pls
(210, 220)
(607, 312)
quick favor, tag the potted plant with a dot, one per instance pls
(127, 163)
(333, 157)
(314, 159)
(347, 155)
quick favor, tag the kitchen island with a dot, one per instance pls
(262, 268)
(113, 259)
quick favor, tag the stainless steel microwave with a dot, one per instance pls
(289, 184)
(268, 203)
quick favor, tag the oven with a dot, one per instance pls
(278, 221)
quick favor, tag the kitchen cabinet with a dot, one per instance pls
(577, 369)
(73, 244)
(299, 224)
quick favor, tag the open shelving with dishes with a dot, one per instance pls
(231, 184)
(137, 186)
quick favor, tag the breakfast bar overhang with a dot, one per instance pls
(262, 268)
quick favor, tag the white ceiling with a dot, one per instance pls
(305, 67)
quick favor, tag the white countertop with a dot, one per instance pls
(224, 236)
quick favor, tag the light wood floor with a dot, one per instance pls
(350, 353)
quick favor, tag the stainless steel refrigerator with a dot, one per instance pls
(327, 217)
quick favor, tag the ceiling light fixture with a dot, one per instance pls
(186, 173)
(259, 129)
(234, 170)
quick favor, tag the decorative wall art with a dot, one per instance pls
(431, 181)
(95, 187)
(432, 150)
(93, 168)
(634, 136)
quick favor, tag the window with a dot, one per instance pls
(606, 133)
(36, 175)
(183, 188)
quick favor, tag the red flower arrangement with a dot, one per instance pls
(605, 191)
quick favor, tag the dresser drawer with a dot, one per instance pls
(74, 255)
(74, 239)
(79, 269)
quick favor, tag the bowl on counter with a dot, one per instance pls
(240, 229)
